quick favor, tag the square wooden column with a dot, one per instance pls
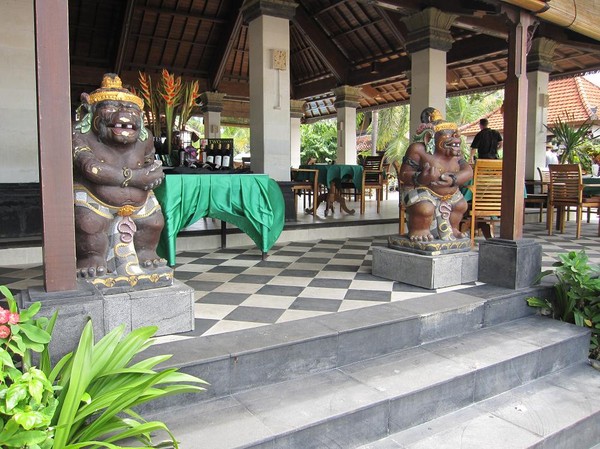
(54, 136)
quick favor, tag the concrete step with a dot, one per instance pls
(238, 361)
(558, 411)
(365, 399)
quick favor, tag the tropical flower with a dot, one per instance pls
(4, 331)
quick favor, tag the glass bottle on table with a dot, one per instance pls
(227, 157)
(210, 157)
(218, 157)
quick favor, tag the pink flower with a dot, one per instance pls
(14, 318)
(4, 331)
(4, 315)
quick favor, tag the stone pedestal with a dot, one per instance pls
(509, 263)
(432, 272)
(171, 309)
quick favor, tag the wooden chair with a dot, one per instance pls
(487, 194)
(305, 183)
(372, 178)
(541, 197)
(566, 191)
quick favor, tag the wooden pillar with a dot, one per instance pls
(54, 137)
(515, 126)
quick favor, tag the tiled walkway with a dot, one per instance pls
(235, 289)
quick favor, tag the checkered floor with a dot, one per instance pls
(235, 289)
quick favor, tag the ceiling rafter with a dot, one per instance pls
(331, 56)
(185, 15)
(218, 69)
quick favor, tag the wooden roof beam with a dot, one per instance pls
(124, 36)
(322, 44)
(184, 15)
(217, 69)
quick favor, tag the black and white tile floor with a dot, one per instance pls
(235, 289)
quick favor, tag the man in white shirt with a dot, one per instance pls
(551, 156)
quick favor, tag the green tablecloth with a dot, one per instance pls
(337, 172)
(591, 191)
(253, 203)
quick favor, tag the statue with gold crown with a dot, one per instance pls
(118, 220)
(433, 170)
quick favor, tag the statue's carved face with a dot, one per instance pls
(117, 121)
(447, 142)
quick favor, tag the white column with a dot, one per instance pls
(374, 132)
(537, 116)
(212, 106)
(428, 41)
(346, 102)
(296, 114)
(539, 66)
(269, 42)
(212, 125)
(428, 83)
(18, 108)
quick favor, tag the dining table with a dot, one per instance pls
(252, 202)
(591, 185)
(331, 176)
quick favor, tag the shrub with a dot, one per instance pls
(87, 400)
(576, 295)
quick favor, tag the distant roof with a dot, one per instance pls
(576, 98)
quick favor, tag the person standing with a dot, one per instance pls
(551, 156)
(486, 143)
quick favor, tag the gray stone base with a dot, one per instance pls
(510, 263)
(444, 270)
(171, 309)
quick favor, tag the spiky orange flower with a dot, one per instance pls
(146, 86)
(171, 88)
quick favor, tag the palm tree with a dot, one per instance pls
(572, 139)
(393, 135)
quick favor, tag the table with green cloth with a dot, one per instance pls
(253, 203)
(589, 181)
(331, 176)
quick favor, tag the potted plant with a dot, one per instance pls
(571, 138)
(87, 399)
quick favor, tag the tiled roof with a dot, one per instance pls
(363, 143)
(573, 97)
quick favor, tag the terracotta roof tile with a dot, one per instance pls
(577, 97)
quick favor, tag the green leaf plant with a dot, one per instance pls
(572, 138)
(576, 297)
(27, 397)
(87, 399)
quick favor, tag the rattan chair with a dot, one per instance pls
(566, 191)
(540, 198)
(487, 195)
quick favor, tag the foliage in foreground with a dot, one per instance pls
(576, 295)
(87, 399)
(572, 138)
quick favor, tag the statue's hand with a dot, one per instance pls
(429, 174)
(445, 180)
(149, 177)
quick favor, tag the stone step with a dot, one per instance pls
(237, 361)
(558, 411)
(363, 401)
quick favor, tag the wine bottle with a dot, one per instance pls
(218, 157)
(227, 157)
(211, 154)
